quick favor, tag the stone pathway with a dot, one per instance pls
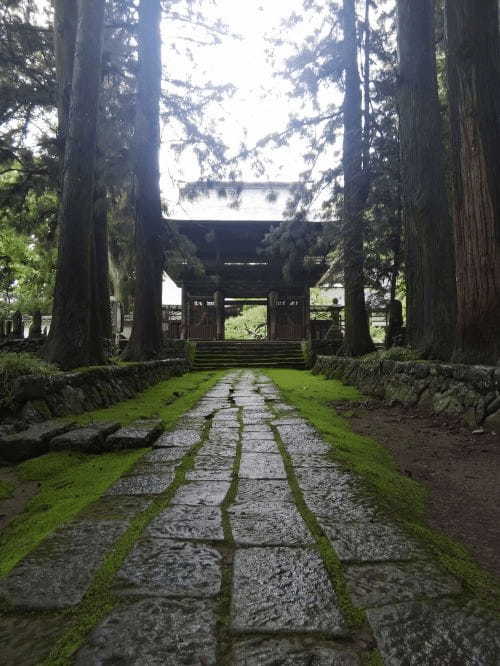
(243, 564)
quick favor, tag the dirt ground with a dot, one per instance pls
(461, 470)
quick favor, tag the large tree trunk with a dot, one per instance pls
(65, 23)
(428, 230)
(474, 91)
(146, 338)
(357, 334)
(69, 339)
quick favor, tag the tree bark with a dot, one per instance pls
(357, 334)
(69, 339)
(65, 23)
(146, 338)
(473, 56)
(430, 268)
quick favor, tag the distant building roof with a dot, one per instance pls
(234, 201)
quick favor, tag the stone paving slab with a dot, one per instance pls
(57, 574)
(168, 568)
(264, 491)
(179, 438)
(114, 508)
(388, 583)
(264, 446)
(142, 484)
(283, 589)
(214, 462)
(32, 442)
(369, 542)
(325, 479)
(257, 427)
(257, 436)
(136, 435)
(209, 475)
(261, 466)
(154, 632)
(89, 439)
(438, 633)
(209, 493)
(188, 522)
(282, 526)
(311, 460)
(27, 640)
(219, 449)
(339, 504)
(166, 455)
(291, 652)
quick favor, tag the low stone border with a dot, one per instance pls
(40, 398)
(472, 392)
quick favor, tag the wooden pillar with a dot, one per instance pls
(307, 314)
(185, 315)
(272, 312)
(220, 314)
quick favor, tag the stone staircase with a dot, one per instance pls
(249, 354)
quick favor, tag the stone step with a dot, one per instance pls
(32, 442)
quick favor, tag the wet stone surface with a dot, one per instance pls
(436, 633)
(31, 442)
(261, 466)
(90, 439)
(283, 589)
(135, 435)
(142, 484)
(165, 455)
(57, 573)
(369, 542)
(210, 493)
(380, 584)
(281, 526)
(27, 640)
(113, 508)
(290, 652)
(179, 438)
(188, 522)
(262, 446)
(162, 567)
(154, 632)
(263, 492)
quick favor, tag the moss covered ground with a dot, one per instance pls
(402, 498)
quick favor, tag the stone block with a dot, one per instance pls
(166, 455)
(58, 572)
(136, 435)
(164, 567)
(209, 493)
(291, 652)
(439, 632)
(28, 641)
(280, 526)
(261, 466)
(32, 442)
(201, 523)
(89, 439)
(283, 589)
(142, 484)
(179, 438)
(265, 492)
(154, 632)
(379, 584)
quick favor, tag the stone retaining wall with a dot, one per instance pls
(18, 345)
(472, 392)
(39, 398)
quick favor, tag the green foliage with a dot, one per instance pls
(249, 325)
(68, 483)
(6, 490)
(14, 365)
(401, 497)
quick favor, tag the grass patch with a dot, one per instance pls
(68, 483)
(167, 400)
(401, 497)
(6, 490)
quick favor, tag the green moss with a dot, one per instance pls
(401, 498)
(68, 483)
(6, 489)
(167, 400)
